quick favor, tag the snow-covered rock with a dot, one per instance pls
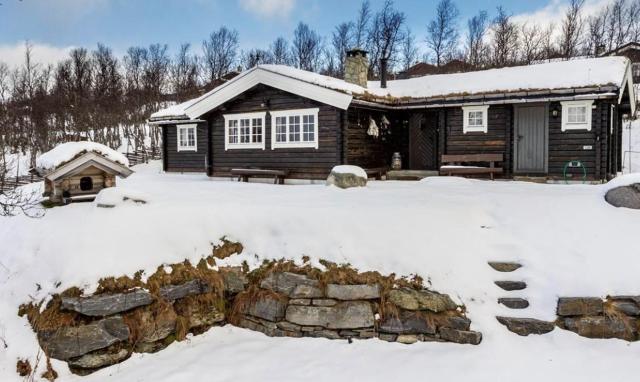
(65, 152)
(625, 196)
(347, 176)
(115, 196)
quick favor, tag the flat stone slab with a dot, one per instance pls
(526, 326)
(345, 315)
(190, 288)
(514, 302)
(580, 306)
(629, 308)
(353, 292)
(407, 323)
(286, 282)
(97, 360)
(461, 336)
(107, 304)
(411, 299)
(234, 279)
(504, 266)
(268, 308)
(511, 285)
(70, 342)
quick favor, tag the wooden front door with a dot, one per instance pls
(423, 141)
(531, 142)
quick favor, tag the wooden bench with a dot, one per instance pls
(244, 174)
(376, 172)
(459, 164)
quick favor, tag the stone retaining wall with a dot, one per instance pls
(293, 305)
(127, 315)
(593, 317)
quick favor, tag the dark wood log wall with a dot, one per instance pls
(184, 161)
(563, 146)
(570, 145)
(362, 149)
(302, 163)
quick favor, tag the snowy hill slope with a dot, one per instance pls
(569, 240)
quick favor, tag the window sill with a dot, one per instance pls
(248, 146)
(475, 130)
(296, 145)
(577, 126)
(192, 149)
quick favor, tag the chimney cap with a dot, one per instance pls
(356, 52)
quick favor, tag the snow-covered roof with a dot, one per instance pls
(573, 74)
(66, 152)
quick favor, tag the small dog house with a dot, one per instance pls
(77, 171)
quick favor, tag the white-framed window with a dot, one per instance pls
(188, 137)
(244, 131)
(576, 115)
(294, 128)
(475, 119)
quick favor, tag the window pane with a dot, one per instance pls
(308, 126)
(281, 129)
(294, 128)
(257, 130)
(191, 134)
(475, 118)
(182, 139)
(245, 131)
(233, 131)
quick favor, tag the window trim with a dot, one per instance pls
(485, 119)
(295, 113)
(193, 126)
(566, 125)
(238, 116)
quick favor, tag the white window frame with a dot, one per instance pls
(182, 147)
(466, 128)
(566, 125)
(295, 113)
(248, 145)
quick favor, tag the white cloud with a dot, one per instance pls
(268, 8)
(554, 12)
(13, 55)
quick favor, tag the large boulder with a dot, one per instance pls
(286, 282)
(107, 304)
(70, 342)
(353, 292)
(347, 177)
(625, 196)
(345, 315)
(412, 299)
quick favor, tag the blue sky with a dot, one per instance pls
(57, 25)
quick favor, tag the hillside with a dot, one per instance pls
(569, 241)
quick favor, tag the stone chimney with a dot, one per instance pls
(356, 67)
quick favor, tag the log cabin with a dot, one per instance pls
(549, 121)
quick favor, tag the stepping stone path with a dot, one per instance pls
(514, 302)
(520, 326)
(511, 285)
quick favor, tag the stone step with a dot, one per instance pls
(511, 285)
(526, 326)
(514, 302)
(504, 266)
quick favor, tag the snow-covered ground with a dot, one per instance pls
(569, 240)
